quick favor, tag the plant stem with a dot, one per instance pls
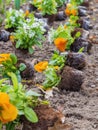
(0, 126)
(17, 4)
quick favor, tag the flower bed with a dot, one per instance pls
(64, 66)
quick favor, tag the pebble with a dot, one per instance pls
(94, 126)
(93, 86)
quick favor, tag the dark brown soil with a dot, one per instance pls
(81, 43)
(76, 60)
(71, 79)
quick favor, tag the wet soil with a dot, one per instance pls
(79, 108)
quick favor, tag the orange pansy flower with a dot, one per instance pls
(8, 112)
(74, 12)
(4, 57)
(60, 43)
(70, 10)
(41, 66)
(67, 12)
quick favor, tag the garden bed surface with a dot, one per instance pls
(80, 108)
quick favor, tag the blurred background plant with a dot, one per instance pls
(8, 63)
(14, 18)
(30, 34)
(48, 6)
(5, 4)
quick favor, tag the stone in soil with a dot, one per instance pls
(82, 12)
(30, 7)
(79, 43)
(51, 19)
(38, 15)
(76, 60)
(71, 79)
(84, 33)
(4, 35)
(28, 73)
(60, 16)
(85, 23)
(85, 3)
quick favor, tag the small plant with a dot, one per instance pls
(14, 18)
(51, 78)
(50, 70)
(56, 63)
(8, 63)
(29, 34)
(22, 99)
(46, 6)
(73, 21)
(57, 60)
(76, 2)
(61, 37)
(71, 9)
(36, 3)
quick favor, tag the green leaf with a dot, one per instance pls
(14, 58)
(22, 67)
(14, 80)
(32, 93)
(1, 81)
(30, 115)
(5, 88)
(81, 50)
(17, 44)
(78, 34)
(30, 50)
